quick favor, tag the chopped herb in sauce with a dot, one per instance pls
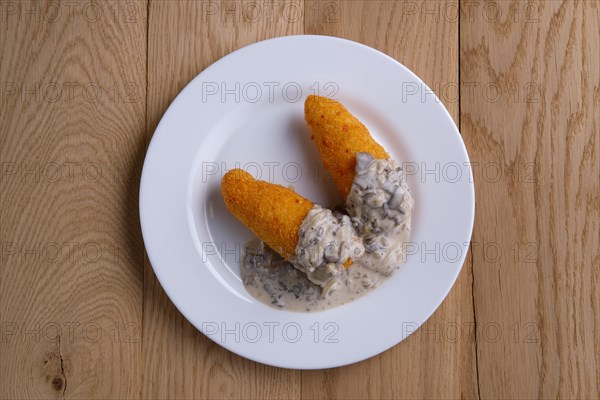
(372, 235)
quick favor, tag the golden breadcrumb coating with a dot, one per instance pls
(339, 136)
(274, 213)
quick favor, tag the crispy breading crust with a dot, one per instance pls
(274, 213)
(339, 136)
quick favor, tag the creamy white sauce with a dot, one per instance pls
(373, 236)
(380, 206)
(276, 282)
(326, 240)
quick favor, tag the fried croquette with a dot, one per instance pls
(339, 136)
(273, 213)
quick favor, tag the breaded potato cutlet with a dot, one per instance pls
(339, 136)
(272, 212)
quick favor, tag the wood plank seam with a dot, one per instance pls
(144, 266)
(473, 300)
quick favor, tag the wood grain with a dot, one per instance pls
(71, 146)
(536, 135)
(82, 88)
(427, 44)
(179, 361)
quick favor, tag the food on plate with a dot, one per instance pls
(380, 207)
(373, 184)
(310, 258)
(339, 135)
(274, 213)
(317, 241)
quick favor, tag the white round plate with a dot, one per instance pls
(246, 110)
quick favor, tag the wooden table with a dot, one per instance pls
(84, 85)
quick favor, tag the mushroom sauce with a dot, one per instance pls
(380, 206)
(372, 236)
(326, 241)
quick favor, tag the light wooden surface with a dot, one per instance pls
(540, 129)
(82, 89)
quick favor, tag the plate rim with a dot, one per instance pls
(152, 149)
